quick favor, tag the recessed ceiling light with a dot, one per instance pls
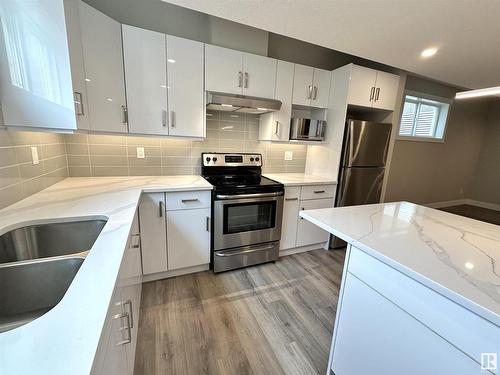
(490, 91)
(428, 52)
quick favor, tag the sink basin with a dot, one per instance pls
(49, 240)
(30, 289)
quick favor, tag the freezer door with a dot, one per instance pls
(360, 186)
(366, 144)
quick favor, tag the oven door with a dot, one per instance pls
(247, 219)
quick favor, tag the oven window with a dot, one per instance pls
(246, 217)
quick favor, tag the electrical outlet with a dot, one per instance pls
(140, 152)
(34, 155)
(288, 155)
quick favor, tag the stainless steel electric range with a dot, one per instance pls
(247, 210)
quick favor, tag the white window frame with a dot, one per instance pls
(443, 125)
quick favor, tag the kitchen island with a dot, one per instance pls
(420, 291)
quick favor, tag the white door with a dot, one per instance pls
(188, 238)
(153, 233)
(72, 11)
(307, 232)
(388, 339)
(186, 93)
(145, 59)
(102, 53)
(35, 72)
(223, 70)
(321, 88)
(259, 76)
(362, 86)
(302, 85)
(290, 219)
(386, 91)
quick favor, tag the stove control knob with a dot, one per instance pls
(257, 158)
(208, 159)
(214, 159)
(251, 159)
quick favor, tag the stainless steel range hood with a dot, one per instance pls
(218, 101)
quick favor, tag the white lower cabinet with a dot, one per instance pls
(188, 238)
(175, 230)
(295, 231)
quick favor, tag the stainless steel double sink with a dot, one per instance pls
(38, 264)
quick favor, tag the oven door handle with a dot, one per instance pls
(243, 196)
(246, 249)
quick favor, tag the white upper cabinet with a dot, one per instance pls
(372, 88)
(102, 53)
(35, 74)
(321, 88)
(72, 11)
(223, 70)
(145, 60)
(386, 91)
(259, 76)
(302, 85)
(236, 72)
(186, 96)
(311, 86)
(275, 126)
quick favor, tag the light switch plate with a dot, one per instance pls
(140, 153)
(34, 155)
(288, 155)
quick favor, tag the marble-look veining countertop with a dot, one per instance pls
(299, 179)
(65, 339)
(456, 256)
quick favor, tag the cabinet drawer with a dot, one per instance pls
(317, 192)
(184, 200)
(292, 192)
(466, 330)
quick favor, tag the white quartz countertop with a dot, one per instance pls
(64, 340)
(299, 179)
(456, 256)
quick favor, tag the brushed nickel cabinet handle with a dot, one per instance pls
(78, 99)
(129, 304)
(318, 191)
(247, 76)
(160, 208)
(172, 119)
(208, 224)
(125, 114)
(137, 244)
(277, 129)
(240, 78)
(315, 95)
(164, 117)
(128, 340)
(377, 93)
(291, 199)
(189, 200)
(309, 92)
(372, 91)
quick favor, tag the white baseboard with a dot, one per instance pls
(167, 274)
(472, 202)
(302, 249)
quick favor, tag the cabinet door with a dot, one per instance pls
(307, 232)
(153, 233)
(131, 300)
(321, 88)
(188, 238)
(259, 77)
(102, 53)
(72, 11)
(284, 89)
(362, 86)
(35, 72)
(302, 85)
(389, 340)
(290, 221)
(386, 91)
(185, 87)
(145, 60)
(223, 70)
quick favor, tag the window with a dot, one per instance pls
(423, 117)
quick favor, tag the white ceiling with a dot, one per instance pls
(393, 32)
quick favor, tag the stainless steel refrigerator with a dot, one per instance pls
(362, 167)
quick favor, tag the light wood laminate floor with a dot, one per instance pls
(275, 318)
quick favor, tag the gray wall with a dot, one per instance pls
(485, 183)
(427, 172)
